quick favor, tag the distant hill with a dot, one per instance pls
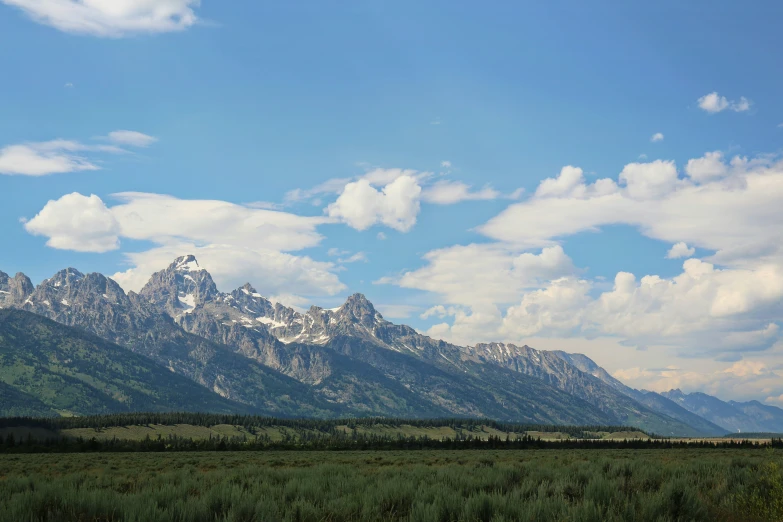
(752, 417)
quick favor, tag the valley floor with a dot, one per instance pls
(486, 485)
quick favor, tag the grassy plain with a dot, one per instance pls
(486, 485)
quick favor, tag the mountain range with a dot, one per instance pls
(181, 344)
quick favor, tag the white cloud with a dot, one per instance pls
(571, 183)
(391, 197)
(77, 222)
(559, 307)
(449, 192)
(361, 206)
(445, 164)
(680, 250)
(111, 18)
(380, 236)
(658, 136)
(485, 273)
(714, 103)
(737, 216)
(34, 160)
(59, 156)
(649, 180)
(236, 243)
(132, 138)
(708, 167)
(720, 306)
(68, 85)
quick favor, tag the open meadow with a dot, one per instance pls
(681, 484)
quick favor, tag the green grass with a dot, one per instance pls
(492, 486)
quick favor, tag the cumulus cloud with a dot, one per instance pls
(61, 156)
(558, 307)
(721, 306)
(649, 180)
(111, 18)
(390, 197)
(361, 206)
(658, 136)
(485, 273)
(737, 216)
(679, 250)
(237, 243)
(708, 167)
(77, 222)
(714, 103)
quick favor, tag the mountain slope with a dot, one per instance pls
(15, 403)
(98, 304)
(359, 357)
(554, 369)
(771, 417)
(651, 400)
(75, 373)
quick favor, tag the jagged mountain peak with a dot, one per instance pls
(359, 306)
(65, 277)
(187, 263)
(14, 290)
(248, 289)
(181, 287)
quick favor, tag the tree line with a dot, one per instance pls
(323, 425)
(344, 441)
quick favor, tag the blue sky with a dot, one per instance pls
(390, 141)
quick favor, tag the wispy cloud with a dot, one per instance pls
(131, 138)
(658, 136)
(61, 156)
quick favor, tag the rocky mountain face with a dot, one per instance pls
(14, 290)
(343, 361)
(352, 355)
(98, 305)
(732, 417)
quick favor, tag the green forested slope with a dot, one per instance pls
(48, 368)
